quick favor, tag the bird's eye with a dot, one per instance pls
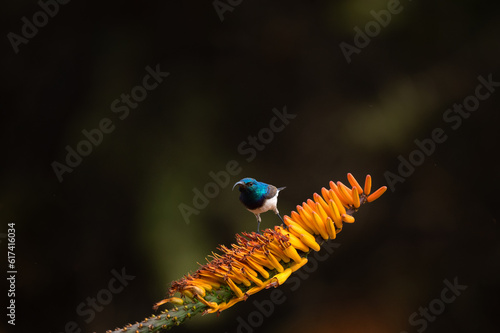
(249, 184)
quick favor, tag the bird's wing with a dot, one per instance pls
(272, 191)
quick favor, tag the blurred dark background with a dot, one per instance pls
(119, 207)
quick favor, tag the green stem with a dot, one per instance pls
(175, 316)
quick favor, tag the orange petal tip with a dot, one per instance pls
(375, 195)
(347, 218)
(368, 184)
(354, 183)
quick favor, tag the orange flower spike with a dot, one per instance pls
(355, 197)
(280, 278)
(232, 302)
(176, 300)
(187, 293)
(349, 190)
(307, 219)
(347, 218)
(330, 227)
(240, 276)
(173, 300)
(212, 305)
(305, 238)
(255, 290)
(310, 241)
(201, 283)
(296, 242)
(247, 271)
(237, 291)
(297, 230)
(375, 195)
(337, 193)
(272, 259)
(296, 266)
(321, 212)
(338, 203)
(277, 252)
(334, 187)
(212, 282)
(300, 212)
(297, 219)
(336, 214)
(344, 191)
(222, 306)
(196, 290)
(255, 280)
(158, 304)
(321, 225)
(309, 206)
(293, 254)
(220, 269)
(368, 184)
(257, 261)
(354, 183)
(258, 268)
(319, 199)
(329, 210)
(223, 249)
(289, 221)
(332, 184)
(325, 194)
(261, 259)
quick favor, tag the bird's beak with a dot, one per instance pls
(238, 183)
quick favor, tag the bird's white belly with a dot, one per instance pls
(269, 204)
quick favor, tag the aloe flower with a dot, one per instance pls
(260, 261)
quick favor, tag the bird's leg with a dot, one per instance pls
(278, 213)
(258, 223)
(286, 227)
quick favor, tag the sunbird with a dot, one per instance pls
(259, 197)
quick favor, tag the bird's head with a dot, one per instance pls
(248, 185)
